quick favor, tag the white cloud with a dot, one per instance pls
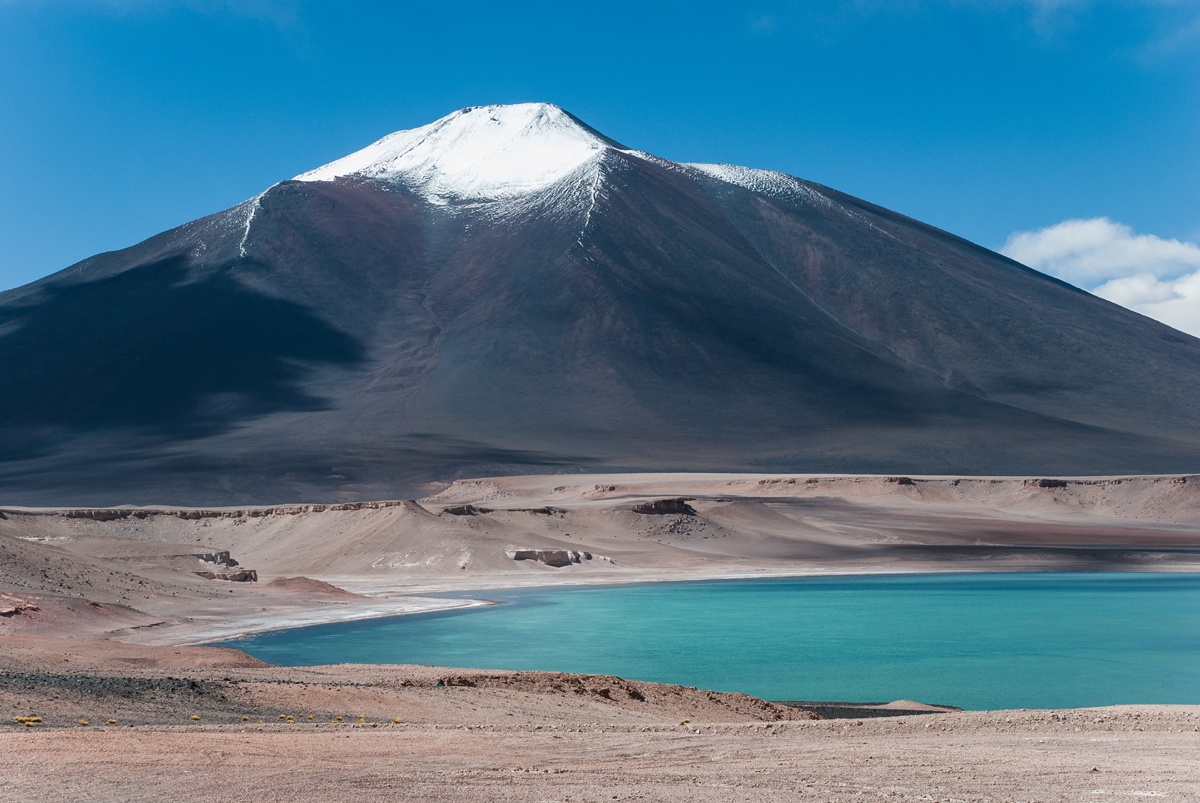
(1098, 249)
(1175, 302)
(1156, 277)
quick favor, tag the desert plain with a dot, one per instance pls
(102, 609)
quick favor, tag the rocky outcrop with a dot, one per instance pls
(239, 576)
(1044, 483)
(13, 606)
(665, 507)
(465, 510)
(551, 557)
(221, 558)
(195, 514)
(106, 514)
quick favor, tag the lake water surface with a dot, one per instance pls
(977, 641)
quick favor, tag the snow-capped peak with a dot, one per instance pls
(480, 152)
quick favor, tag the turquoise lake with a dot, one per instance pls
(977, 641)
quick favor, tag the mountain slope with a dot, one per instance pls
(507, 290)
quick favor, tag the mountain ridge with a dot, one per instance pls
(362, 335)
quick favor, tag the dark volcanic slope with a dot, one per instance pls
(359, 335)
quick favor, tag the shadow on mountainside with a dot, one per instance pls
(170, 353)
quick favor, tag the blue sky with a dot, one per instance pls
(1061, 130)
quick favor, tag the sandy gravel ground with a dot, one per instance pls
(427, 733)
(1102, 754)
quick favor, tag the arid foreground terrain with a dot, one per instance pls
(484, 736)
(101, 703)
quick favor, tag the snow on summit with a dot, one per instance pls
(480, 152)
(505, 152)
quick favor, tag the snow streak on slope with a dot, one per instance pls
(255, 204)
(765, 182)
(478, 153)
(780, 186)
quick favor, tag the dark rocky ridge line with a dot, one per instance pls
(663, 506)
(119, 513)
(233, 695)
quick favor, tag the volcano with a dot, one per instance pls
(506, 290)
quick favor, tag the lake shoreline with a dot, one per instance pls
(134, 573)
(385, 601)
(816, 637)
(388, 601)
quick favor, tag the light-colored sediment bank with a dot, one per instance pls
(146, 574)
